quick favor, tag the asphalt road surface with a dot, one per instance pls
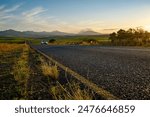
(123, 71)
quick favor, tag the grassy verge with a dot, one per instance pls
(21, 71)
(8, 57)
(68, 90)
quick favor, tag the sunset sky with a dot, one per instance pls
(103, 16)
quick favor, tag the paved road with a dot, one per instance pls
(124, 71)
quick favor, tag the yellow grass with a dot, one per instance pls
(72, 91)
(51, 71)
(21, 68)
(4, 47)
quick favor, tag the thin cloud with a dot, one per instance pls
(2, 7)
(34, 12)
(12, 9)
(34, 19)
(6, 14)
(6, 17)
(111, 29)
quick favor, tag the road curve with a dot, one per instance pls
(123, 71)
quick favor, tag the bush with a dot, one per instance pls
(131, 37)
(51, 40)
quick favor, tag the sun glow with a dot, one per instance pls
(147, 27)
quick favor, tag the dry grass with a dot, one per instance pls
(4, 47)
(9, 57)
(51, 71)
(70, 91)
(65, 91)
(21, 70)
(79, 94)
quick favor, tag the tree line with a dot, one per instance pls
(131, 37)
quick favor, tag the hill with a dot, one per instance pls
(13, 33)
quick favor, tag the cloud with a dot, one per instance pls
(14, 8)
(6, 14)
(2, 7)
(37, 19)
(34, 12)
(6, 17)
(111, 29)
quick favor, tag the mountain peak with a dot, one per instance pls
(88, 32)
(11, 30)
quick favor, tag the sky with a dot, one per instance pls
(104, 16)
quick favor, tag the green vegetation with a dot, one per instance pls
(18, 40)
(51, 40)
(61, 40)
(131, 37)
(78, 40)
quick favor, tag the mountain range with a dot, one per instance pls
(14, 33)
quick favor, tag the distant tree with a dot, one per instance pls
(146, 37)
(113, 37)
(91, 40)
(51, 40)
(121, 34)
(130, 37)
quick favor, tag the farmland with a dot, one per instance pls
(78, 40)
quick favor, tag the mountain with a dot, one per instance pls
(45, 34)
(10, 32)
(13, 33)
(58, 33)
(88, 32)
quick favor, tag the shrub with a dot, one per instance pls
(51, 71)
(51, 40)
(131, 37)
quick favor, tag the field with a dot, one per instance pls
(78, 40)
(17, 40)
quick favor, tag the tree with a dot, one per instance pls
(51, 40)
(113, 37)
(121, 34)
(130, 37)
